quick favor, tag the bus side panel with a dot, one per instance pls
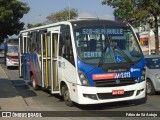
(35, 68)
(24, 69)
(67, 70)
(67, 73)
(28, 67)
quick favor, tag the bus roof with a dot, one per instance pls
(80, 22)
(92, 22)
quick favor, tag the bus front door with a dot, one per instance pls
(54, 54)
(49, 61)
(22, 57)
(45, 60)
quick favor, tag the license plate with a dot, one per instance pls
(117, 92)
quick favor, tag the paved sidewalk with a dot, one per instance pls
(9, 97)
(11, 100)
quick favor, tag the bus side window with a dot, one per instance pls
(32, 47)
(28, 42)
(38, 41)
(21, 43)
(65, 44)
(60, 44)
(67, 48)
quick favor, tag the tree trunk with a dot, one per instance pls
(156, 36)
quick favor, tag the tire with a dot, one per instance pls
(66, 96)
(33, 83)
(144, 100)
(149, 87)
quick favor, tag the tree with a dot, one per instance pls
(11, 11)
(62, 15)
(33, 25)
(137, 11)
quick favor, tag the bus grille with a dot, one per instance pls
(110, 96)
(114, 83)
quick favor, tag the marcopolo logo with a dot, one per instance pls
(135, 69)
(118, 81)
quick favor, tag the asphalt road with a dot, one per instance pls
(44, 101)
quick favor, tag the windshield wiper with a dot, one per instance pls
(105, 52)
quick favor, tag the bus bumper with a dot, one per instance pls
(96, 95)
(11, 63)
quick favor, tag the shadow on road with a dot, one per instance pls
(23, 89)
(157, 93)
(6, 89)
(110, 106)
(60, 98)
(13, 88)
(13, 68)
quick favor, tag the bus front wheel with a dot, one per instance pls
(66, 96)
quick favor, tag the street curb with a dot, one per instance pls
(5, 76)
(18, 98)
(4, 72)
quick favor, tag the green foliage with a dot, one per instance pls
(11, 11)
(62, 15)
(33, 25)
(137, 11)
(134, 11)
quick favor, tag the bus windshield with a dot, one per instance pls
(106, 44)
(12, 48)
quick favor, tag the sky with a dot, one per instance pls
(40, 9)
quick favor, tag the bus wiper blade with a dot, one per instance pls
(101, 60)
(104, 53)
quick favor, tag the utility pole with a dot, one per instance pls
(69, 9)
(149, 41)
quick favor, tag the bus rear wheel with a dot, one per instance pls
(66, 96)
(34, 84)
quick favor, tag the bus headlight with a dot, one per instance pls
(143, 75)
(83, 79)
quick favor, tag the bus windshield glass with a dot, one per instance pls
(12, 48)
(106, 44)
